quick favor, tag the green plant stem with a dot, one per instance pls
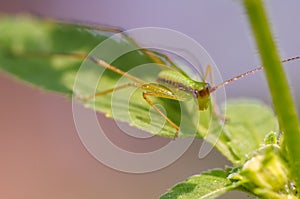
(278, 85)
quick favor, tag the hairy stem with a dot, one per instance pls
(278, 85)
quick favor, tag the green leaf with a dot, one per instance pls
(250, 121)
(28, 50)
(204, 186)
(21, 36)
(26, 45)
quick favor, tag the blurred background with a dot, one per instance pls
(41, 153)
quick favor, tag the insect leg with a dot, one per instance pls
(156, 57)
(103, 64)
(85, 98)
(215, 108)
(208, 72)
(147, 99)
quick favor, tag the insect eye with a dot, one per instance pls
(195, 93)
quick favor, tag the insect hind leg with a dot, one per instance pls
(156, 57)
(149, 101)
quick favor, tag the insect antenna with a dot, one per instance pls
(246, 74)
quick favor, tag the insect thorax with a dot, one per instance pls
(185, 87)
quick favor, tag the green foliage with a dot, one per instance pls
(27, 42)
(244, 132)
(207, 185)
(25, 52)
(246, 129)
(266, 174)
(29, 50)
(21, 36)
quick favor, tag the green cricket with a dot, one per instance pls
(171, 82)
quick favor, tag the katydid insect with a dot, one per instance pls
(171, 82)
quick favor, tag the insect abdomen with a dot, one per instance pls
(175, 79)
